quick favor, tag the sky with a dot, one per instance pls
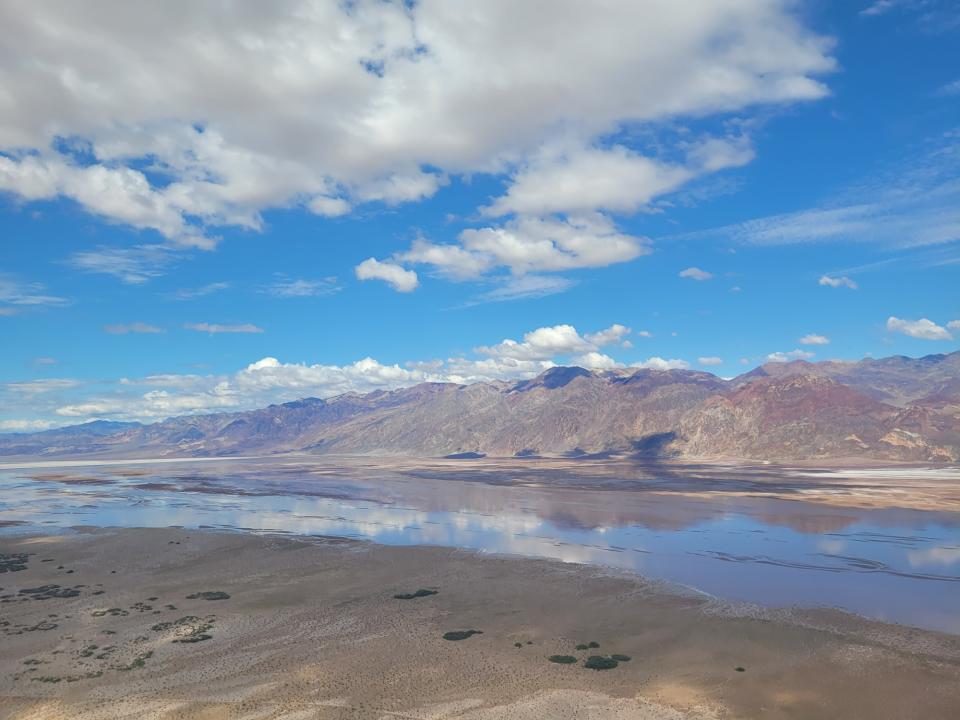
(216, 206)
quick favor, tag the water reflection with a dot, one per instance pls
(891, 564)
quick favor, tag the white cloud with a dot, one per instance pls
(589, 179)
(400, 279)
(132, 265)
(517, 287)
(780, 357)
(922, 329)
(529, 245)
(954, 325)
(26, 425)
(135, 327)
(214, 328)
(644, 334)
(541, 344)
(596, 361)
(812, 339)
(710, 360)
(695, 273)
(951, 88)
(33, 387)
(659, 363)
(269, 380)
(300, 287)
(912, 203)
(21, 294)
(836, 282)
(202, 291)
(613, 334)
(879, 7)
(535, 244)
(329, 105)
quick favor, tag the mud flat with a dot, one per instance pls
(168, 623)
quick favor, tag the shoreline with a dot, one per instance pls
(311, 629)
(918, 486)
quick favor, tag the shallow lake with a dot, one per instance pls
(891, 564)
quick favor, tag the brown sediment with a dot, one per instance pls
(311, 629)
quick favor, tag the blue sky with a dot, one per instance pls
(207, 212)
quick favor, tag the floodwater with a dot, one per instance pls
(896, 565)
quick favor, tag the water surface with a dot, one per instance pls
(890, 564)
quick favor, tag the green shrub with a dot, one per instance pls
(422, 592)
(598, 662)
(562, 659)
(209, 595)
(460, 634)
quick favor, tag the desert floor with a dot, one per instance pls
(99, 624)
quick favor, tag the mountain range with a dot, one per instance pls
(893, 409)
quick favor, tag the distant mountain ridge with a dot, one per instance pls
(895, 408)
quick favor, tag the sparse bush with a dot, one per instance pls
(598, 662)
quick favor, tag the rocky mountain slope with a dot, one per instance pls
(895, 408)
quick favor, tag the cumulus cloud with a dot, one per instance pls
(214, 328)
(922, 329)
(613, 334)
(596, 361)
(326, 106)
(400, 279)
(954, 325)
(589, 179)
(541, 344)
(530, 245)
(558, 341)
(695, 273)
(659, 363)
(710, 360)
(270, 380)
(836, 282)
(780, 357)
(135, 327)
(812, 339)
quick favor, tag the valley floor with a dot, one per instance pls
(183, 624)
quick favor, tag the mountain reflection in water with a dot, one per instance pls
(892, 564)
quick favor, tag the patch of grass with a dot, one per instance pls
(740, 669)
(518, 645)
(191, 628)
(209, 595)
(422, 592)
(599, 662)
(140, 661)
(115, 612)
(461, 634)
(621, 658)
(562, 659)
(14, 562)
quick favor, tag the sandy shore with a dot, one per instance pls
(311, 630)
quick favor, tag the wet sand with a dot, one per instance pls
(310, 629)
